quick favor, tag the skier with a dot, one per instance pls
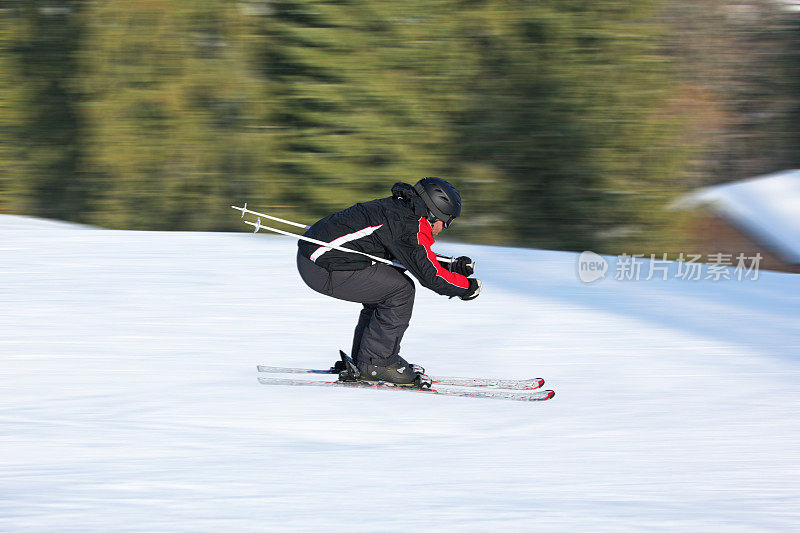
(401, 228)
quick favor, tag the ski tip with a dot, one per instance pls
(550, 394)
(342, 353)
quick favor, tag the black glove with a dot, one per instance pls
(473, 291)
(463, 265)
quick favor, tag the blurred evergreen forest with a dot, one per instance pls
(566, 124)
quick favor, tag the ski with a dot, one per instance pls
(510, 384)
(289, 370)
(537, 396)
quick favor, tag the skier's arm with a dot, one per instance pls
(414, 251)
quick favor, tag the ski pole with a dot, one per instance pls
(258, 225)
(244, 210)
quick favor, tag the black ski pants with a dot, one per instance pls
(387, 295)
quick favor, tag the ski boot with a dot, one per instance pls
(399, 373)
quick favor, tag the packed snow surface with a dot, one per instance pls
(129, 398)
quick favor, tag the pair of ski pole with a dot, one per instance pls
(258, 226)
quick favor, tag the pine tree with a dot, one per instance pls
(566, 106)
(174, 113)
(360, 103)
(13, 170)
(41, 149)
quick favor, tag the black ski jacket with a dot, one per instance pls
(394, 228)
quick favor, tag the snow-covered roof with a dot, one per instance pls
(768, 207)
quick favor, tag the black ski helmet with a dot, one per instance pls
(441, 198)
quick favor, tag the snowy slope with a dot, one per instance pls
(129, 399)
